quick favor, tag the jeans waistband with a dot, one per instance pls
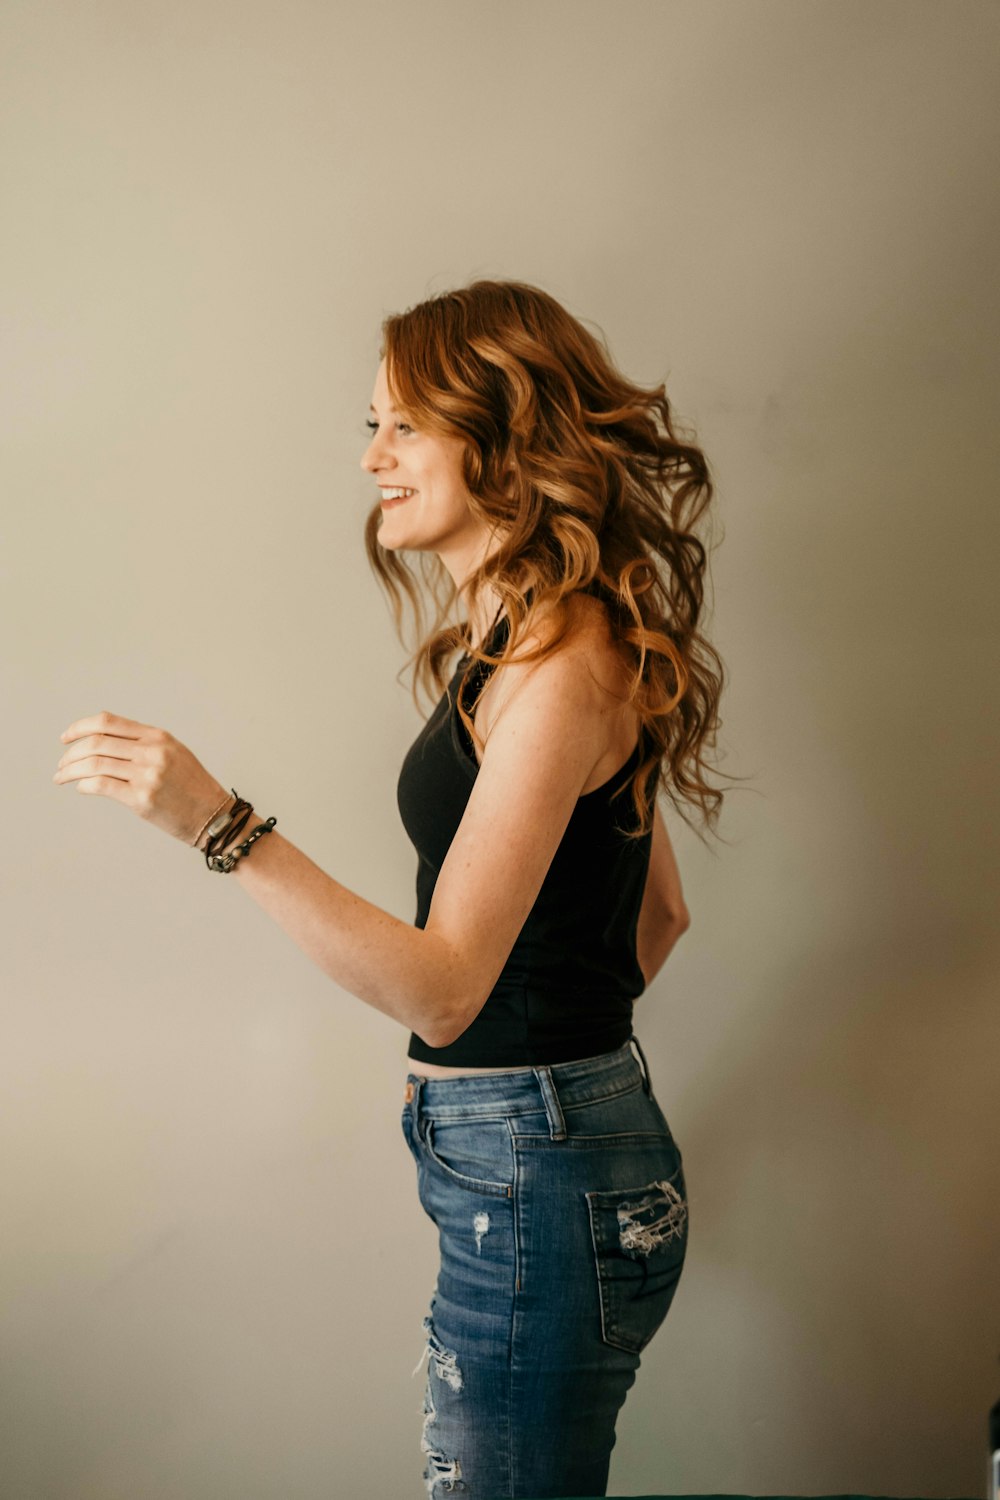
(552, 1086)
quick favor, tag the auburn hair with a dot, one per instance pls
(590, 485)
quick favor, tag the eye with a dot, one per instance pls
(373, 426)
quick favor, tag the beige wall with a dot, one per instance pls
(214, 1265)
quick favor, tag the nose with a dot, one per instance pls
(370, 459)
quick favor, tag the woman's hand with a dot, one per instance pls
(144, 767)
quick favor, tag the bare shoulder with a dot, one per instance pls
(588, 638)
(587, 670)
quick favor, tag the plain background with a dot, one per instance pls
(214, 1264)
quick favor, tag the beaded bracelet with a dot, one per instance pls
(225, 862)
(224, 827)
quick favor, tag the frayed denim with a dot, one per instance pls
(562, 1215)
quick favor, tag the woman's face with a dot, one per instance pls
(436, 516)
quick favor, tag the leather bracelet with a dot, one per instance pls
(232, 832)
(223, 863)
(217, 822)
(235, 821)
(224, 827)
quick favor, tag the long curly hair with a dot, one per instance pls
(590, 486)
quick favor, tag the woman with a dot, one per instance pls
(552, 501)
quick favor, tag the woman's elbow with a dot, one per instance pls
(675, 925)
(655, 946)
(680, 918)
(449, 1025)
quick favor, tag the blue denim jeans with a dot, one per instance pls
(560, 1205)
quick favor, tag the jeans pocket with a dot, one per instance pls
(640, 1240)
(474, 1154)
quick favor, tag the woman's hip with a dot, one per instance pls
(560, 1204)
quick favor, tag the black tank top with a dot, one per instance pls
(567, 988)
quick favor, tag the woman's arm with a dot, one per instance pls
(420, 978)
(550, 728)
(399, 969)
(663, 916)
(550, 732)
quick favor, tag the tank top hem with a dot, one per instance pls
(505, 1054)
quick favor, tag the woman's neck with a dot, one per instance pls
(483, 619)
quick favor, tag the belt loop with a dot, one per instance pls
(553, 1109)
(413, 1092)
(647, 1082)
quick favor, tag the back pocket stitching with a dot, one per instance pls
(636, 1242)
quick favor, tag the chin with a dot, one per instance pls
(393, 540)
(402, 531)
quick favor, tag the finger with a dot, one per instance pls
(105, 723)
(89, 745)
(92, 765)
(111, 786)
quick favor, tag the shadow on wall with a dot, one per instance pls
(844, 1174)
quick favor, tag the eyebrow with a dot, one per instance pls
(391, 408)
